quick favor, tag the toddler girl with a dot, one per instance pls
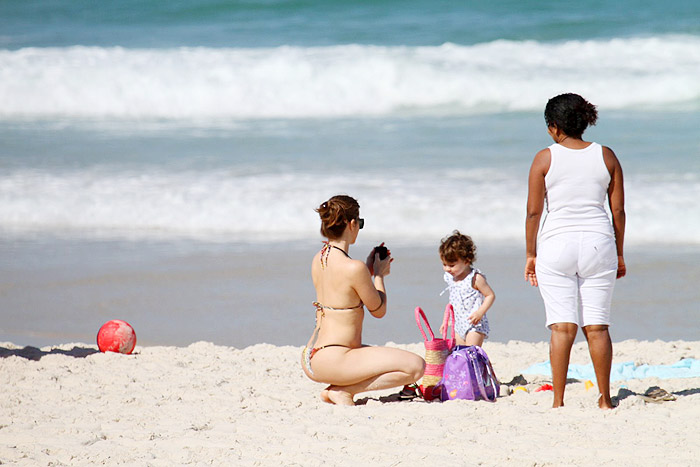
(470, 294)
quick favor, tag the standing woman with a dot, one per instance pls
(579, 253)
(344, 288)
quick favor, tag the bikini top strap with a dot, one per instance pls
(320, 307)
(325, 251)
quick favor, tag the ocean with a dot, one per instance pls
(160, 161)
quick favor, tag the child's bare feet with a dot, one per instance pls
(336, 396)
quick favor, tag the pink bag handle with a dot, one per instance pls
(449, 319)
(419, 315)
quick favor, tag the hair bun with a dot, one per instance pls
(336, 213)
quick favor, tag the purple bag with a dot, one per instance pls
(469, 375)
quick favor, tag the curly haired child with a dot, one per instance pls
(470, 294)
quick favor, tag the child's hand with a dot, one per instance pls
(442, 329)
(475, 318)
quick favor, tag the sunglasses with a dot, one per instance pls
(361, 221)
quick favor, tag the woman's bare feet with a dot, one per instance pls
(603, 404)
(332, 395)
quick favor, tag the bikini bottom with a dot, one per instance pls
(308, 354)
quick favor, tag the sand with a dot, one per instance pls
(205, 404)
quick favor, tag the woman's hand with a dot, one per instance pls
(382, 267)
(370, 261)
(530, 274)
(373, 263)
(621, 268)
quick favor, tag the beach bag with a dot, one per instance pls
(436, 352)
(468, 374)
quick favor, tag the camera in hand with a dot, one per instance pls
(382, 251)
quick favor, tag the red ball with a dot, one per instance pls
(116, 336)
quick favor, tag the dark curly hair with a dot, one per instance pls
(570, 113)
(336, 214)
(457, 246)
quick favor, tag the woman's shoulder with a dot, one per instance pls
(316, 259)
(542, 161)
(607, 151)
(610, 159)
(355, 267)
(545, 153)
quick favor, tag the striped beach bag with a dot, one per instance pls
(436, 352)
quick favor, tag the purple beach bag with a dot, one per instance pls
(468, 374)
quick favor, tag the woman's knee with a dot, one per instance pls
(596, 331)
(564, 329)
(415, 366)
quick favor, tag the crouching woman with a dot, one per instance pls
(344, 288)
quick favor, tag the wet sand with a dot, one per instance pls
(175, 294)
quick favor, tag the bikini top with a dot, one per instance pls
(324, 262)
(320, 307)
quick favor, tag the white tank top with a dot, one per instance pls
(576, 186)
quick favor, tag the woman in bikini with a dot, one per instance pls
(344, 287)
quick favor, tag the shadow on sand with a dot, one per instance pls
(652, 394)
(33, 353)
(656, 394)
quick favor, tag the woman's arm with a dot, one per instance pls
(535, 206)
(616, 199)
(371, 289)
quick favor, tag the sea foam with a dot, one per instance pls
(348, 80)
(411, 207)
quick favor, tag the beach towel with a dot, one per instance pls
(685, 368)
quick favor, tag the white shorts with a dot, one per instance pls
(576, 273)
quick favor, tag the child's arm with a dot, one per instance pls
(482, 286)
(443, 326)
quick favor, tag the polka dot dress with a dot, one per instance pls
(465, 300)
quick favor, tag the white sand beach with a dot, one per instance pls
(206, 404)
(160, 163)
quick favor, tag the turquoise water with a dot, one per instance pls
(187, 124)
(41, 23)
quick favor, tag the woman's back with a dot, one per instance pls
(576, 187)
(341, 308)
